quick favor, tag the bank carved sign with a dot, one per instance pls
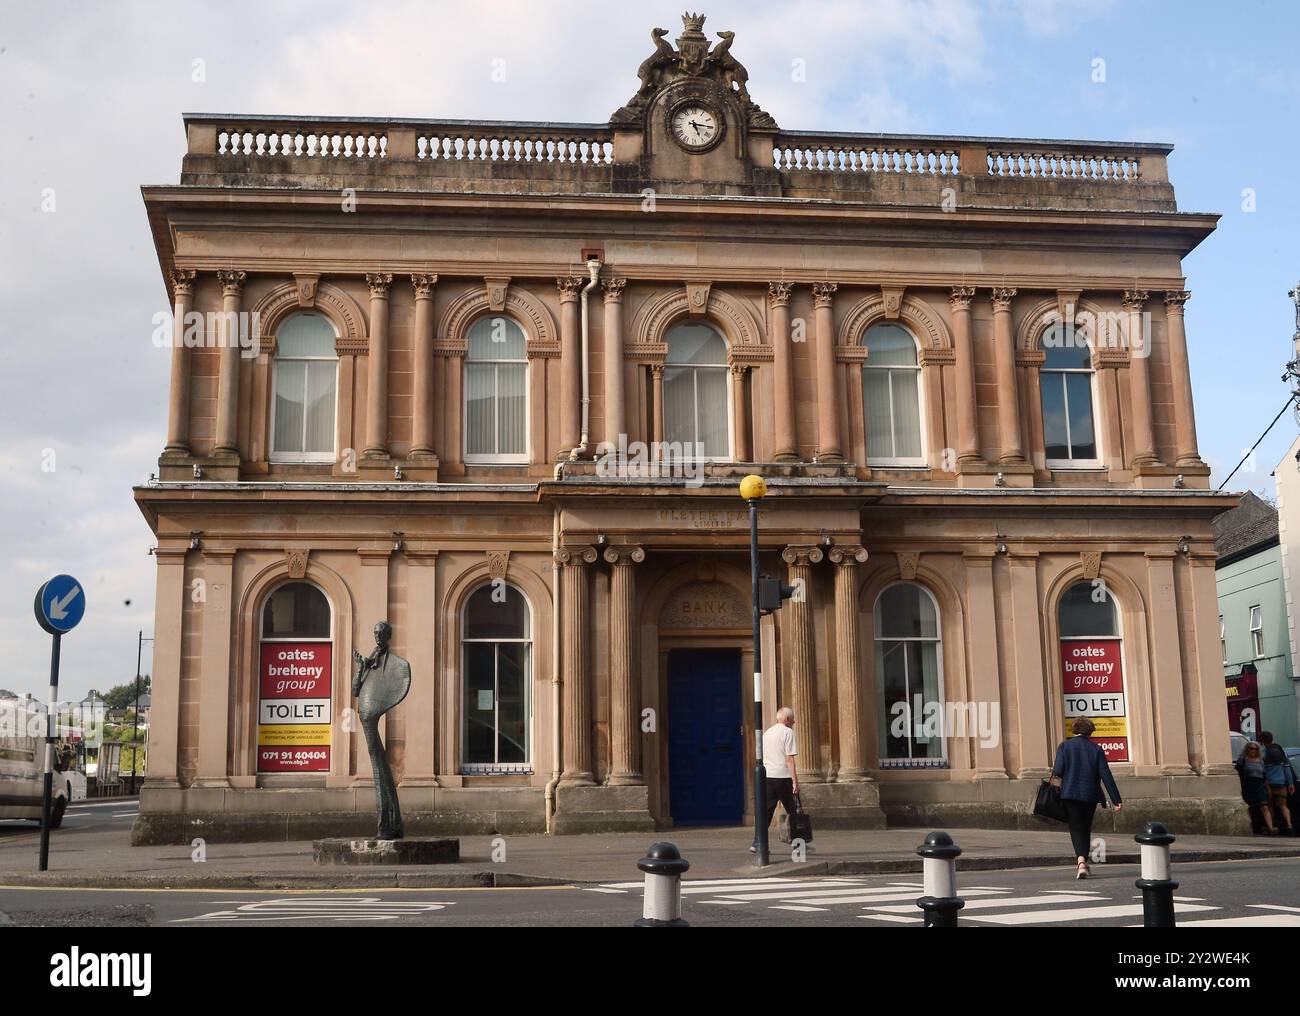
(705, 605)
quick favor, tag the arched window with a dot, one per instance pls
(909, 677)
(295, 681)
(891, 396)
(497, 703)
(1092, 665)
(697, 398)
(305, 385)
(1065, 383)
(496, 392)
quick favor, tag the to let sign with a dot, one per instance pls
(1092, 682)
(295, 684)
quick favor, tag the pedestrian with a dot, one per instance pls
(1281, 781)
(1254, 788)
(1081, 769)
(779, 752)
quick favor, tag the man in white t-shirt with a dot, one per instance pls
(779, 752)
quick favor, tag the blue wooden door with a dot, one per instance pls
(706, 778)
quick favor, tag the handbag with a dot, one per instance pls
(1048, 803)
(800, 823)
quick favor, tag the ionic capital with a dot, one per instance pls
(847, 555)
(625, 555)
(575, 557)
(802, 556)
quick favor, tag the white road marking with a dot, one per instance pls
(1251, 921)
(1077, 914)
(792, 906)
(1003, 901)
(368, 908)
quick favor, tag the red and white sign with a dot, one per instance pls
(1092, 680)
(294, 711)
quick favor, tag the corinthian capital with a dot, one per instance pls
(379, 283)
(778, 293)
(824, 293)
(613, 287)
(183, 281)
(1174, 300)
(1002, 298)
(1135, 299)
(569, 287)
(232, 281)
(423, 285)
(961, 297)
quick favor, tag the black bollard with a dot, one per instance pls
(1156, 885)
(662, 907)
(939, 873)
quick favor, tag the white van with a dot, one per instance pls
(22, 765)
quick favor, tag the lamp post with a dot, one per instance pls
(752, 489)
(135, 725)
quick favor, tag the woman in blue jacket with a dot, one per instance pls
(1080, 770)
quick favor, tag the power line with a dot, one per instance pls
(1256, 444)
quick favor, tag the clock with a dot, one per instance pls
(695, 126)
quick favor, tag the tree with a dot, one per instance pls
(121, 696)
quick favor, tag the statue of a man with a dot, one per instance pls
(382, 680)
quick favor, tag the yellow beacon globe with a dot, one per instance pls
(752, 487)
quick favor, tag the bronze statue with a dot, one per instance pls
(382, 680)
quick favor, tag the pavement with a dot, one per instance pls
(93, 851)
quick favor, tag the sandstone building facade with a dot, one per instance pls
(497, 383)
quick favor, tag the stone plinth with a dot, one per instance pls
(415, 850)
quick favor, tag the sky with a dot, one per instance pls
(91, 97)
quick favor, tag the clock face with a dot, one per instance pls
(695, 127)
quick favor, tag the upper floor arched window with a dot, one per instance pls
(496, 392)
(497, 684)
(1065, 384)
(305, 386)
(697, 398)
(891, 396)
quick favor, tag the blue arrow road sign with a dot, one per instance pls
(60, 604)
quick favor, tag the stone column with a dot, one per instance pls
(178, 400)
(1181, 376)
(215, 668)
(739, 414)
(577, 677)
(657, 393)
(615, 403)
(829, 448)
(164, 716)
(1139, 351)
(625, 702)
(422, 425)
(787, 444)
(570, 363)
(1009, 444)
(232, 289)
(377, 372)
(453, 443)
(968, 446)
(803, 666)
(1167, 696)
(418, 571)
(850, 697)
(984, 677)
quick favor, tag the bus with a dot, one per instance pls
(22, 764)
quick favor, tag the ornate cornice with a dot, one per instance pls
(937, 357)
(645, 352)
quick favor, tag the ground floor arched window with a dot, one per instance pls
(295, 675)
(909, 678)
(497, 703)
(1092, 665)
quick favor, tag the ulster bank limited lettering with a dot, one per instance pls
(702, 519)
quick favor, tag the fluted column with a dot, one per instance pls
(232, 290)
(624, 702)
(570, 363)
(1009, 444)
(849, 696)
(422, 424)
(575, 666)
(615, 418)
(739, 413)
(377, 371)
(787, 443)
(178, 395)
(829, 448)
(1180, 374)
(803, 663)
(968, 446)
(1139, 353)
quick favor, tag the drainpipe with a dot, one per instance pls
(593, 268)
(556, 764)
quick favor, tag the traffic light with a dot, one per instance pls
(771, 593)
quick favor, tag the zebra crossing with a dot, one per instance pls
(894, 903)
